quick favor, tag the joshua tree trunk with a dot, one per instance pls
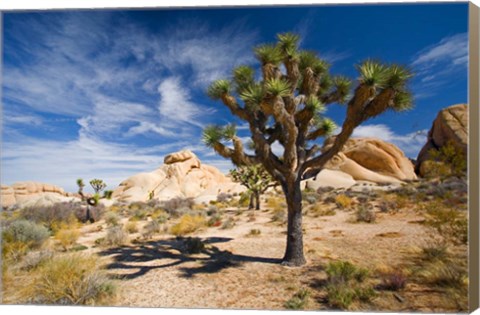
(257, 200)
(252, 200)
(294, 251)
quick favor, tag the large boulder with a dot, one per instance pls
(449, 127)
(182, 175)
(30, 192)
(372, 160)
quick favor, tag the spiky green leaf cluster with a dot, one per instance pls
(397, 77)
(253, 95)
(343, 86)
(214, 134)
(314, 104)
(373, 73)
(402, 101)
(277, 87)
(288, 43)
(310, 59)
(218, 89)
(268, 54)
(243, 76)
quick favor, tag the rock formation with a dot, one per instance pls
(31, 193)
(450, 126)
(371, 160)
(181, 175)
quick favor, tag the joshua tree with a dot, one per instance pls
(287, 106)
(80, 185)
(256, 179)
(98, 185)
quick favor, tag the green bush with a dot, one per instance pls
(26, 232)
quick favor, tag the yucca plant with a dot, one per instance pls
(287, 106)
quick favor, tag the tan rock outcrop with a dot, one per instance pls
(372, 160)
(330, 178)
(450, 126)
(181, 175)
(22, 192)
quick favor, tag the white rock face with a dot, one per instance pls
(22, 193)
(181, 175)
(330, 178)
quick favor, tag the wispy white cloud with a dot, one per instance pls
(451, 50)
(437, 65)
(410, 143)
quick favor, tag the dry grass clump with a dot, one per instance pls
(131, 227)
(320, 210)
(67, 238)
(115, 236)
(345, 285)
(299, 300)
(365, 214)
(112, 219)
(343, 201)
(72, 279)
(150, 229)
(188, 224)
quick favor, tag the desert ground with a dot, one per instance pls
(228, 256)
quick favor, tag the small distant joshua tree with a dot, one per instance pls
(286, 107)
(98, 185)
(256, 179)
(80, 185)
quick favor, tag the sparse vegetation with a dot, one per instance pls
(115, 237)
(72, 279)
(67, 238)
(343, 201)
(365, 214)
(188, 224)
(345, 284)
(299, 300)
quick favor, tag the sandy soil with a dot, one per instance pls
(241, 271)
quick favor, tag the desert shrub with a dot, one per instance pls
(365, 214)
(310, 197)
(434, 250)
(299, 300)
(90, 213)
(139, 214)
(448, 222)
(321, 210)
(448, 160)
(340, 297)
(193, 245)
(224, 197)
(254, 232)
(53, 217)
(67, 238)
(344, 284)
(131, 227)
(34, 259)
(228, 224)
(215, 220)
(393, 280)
(115, 237)
(112, 219)
(343, 201)
(173, 204)
(20, 236)
(160, 215)
(150, 229)
(445, 274)
(244, 200)
(345, 271)
(188, 224)
(70, 280)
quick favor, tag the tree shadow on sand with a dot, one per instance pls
(173, 252)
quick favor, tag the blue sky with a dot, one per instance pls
(108, 93)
